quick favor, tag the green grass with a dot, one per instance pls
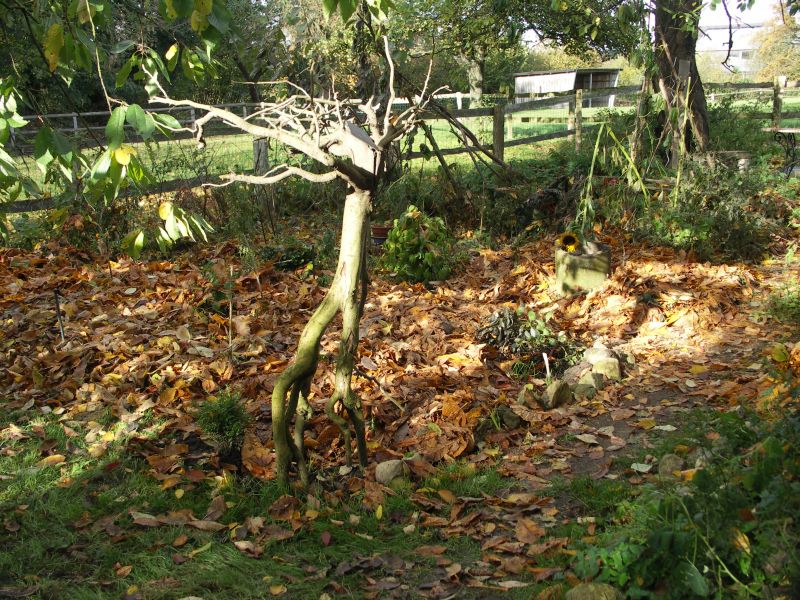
(784, 305)
(66, 529)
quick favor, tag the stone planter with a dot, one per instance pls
(584, 269)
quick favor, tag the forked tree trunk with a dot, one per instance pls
(676, 31)
(346, 294)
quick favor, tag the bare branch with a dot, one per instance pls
(283, 172)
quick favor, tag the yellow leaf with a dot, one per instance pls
(194, 553)
(179, 493)
(123, 155)
(646, 423)
(203, 6)
(379, 512)
(741, 541)
(698, 369)
(53, 459)
(780, 353)
(278, 589)
(447, 496)
(85, 11)
(53, 43)
(167, 395)
(173, 50)
(199, 21)
(165, 210)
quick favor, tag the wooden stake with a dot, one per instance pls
(58, 314)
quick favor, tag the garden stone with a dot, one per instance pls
(593, 591)
(557, 394)
(388, 470)
(608, 368)
(668, 464)
(584, 391)
(598, 353)
(594, 380)
(583, 270)
(573, 374)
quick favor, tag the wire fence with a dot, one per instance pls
(500, 122)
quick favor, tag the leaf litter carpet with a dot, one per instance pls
(152, 338)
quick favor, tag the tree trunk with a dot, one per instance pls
(676, 31)
(475, 63)
(346, 294)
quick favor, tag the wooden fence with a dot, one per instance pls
(503, 116)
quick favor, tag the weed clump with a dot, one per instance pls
(224, 420)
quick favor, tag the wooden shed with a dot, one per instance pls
(531, 83)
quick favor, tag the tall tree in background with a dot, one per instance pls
(675, 42)
(467, 29)
(779, 47)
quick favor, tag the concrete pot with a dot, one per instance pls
(584, 269)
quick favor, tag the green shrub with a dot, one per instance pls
(418, 248)
(730, 532)
(712, 213)
(526, 336)
(224, 420)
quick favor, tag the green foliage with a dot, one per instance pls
(525, 335)
(418, 248)
(224, 419)
(784, 305)
(289, 254)
(729, 532)
(712, 213)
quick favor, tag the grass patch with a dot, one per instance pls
(67, 531)
(784, 305)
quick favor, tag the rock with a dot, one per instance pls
(594, 380)
(581, 390)
(593, 591)
(527, 395)
(608, 368)
(700, 457)
(388, 470)
(573, 374)
(508, 417)
(557, 394)
(597, 353)
(668, 464)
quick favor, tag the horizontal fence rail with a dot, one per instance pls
(509, 122)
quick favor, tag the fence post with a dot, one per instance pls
(260, 156)
(578, 118)
(74, 123)
(571, 113)
(777, 101)
(498, 130)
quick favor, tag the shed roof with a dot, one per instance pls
(592, 70)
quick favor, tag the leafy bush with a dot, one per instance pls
(224, 419)
(418, 248)
(526, 336)
(711, 213)
(729, 532)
